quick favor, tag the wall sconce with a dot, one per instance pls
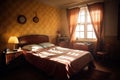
(13, 40)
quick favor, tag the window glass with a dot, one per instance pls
(88, 19)
(82, 12)
(82, 19)
(77, 28)
(94, 36)
(81, 34)
(77, 35)
(89, 34)
(89, 27)
(81, 27)
(84, 28)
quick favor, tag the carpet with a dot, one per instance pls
(92, 75)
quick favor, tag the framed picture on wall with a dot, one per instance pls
(21, 19)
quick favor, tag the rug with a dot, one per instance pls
(92, 75)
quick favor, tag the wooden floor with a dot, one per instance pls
(113, 69)
(101, 72)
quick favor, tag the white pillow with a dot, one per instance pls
(46, 44)
(32, 47)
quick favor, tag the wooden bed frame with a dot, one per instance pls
(32, 39)
(36, 39)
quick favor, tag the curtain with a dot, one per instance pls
(97, 17)
(72, 21)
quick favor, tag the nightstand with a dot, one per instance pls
(62, 41)
(11, 55)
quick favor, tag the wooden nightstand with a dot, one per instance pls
(11, 55)
(62, 41)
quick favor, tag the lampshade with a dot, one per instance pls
(13, 39)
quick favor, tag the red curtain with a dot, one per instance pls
(96, 13)
(72, 21)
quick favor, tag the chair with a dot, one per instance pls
(103, 55)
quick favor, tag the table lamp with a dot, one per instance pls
(13, 40)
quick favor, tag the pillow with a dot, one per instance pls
(46, 44)
(32, 47)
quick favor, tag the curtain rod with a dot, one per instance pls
(85, 4)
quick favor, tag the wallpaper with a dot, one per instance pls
(49, 19)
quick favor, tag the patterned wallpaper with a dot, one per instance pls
(49, 19)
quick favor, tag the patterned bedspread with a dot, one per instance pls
(59, 62)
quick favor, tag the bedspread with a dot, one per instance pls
(59, 62)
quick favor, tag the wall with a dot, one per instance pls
(111, 17)
(49, 19)
(64, 24)
(111, 28)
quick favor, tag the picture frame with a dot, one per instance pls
(35, 19)
(21, 19)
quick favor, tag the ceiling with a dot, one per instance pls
(67, 3)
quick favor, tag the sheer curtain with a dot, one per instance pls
(96, 13)
(72, 21)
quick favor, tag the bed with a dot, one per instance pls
(57, 62)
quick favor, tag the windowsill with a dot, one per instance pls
(84, 40)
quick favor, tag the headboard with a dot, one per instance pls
(32, 39)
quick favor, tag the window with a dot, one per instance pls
(84, 28)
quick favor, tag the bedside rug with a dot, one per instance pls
(92, 75)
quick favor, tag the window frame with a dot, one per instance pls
(85, 26)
